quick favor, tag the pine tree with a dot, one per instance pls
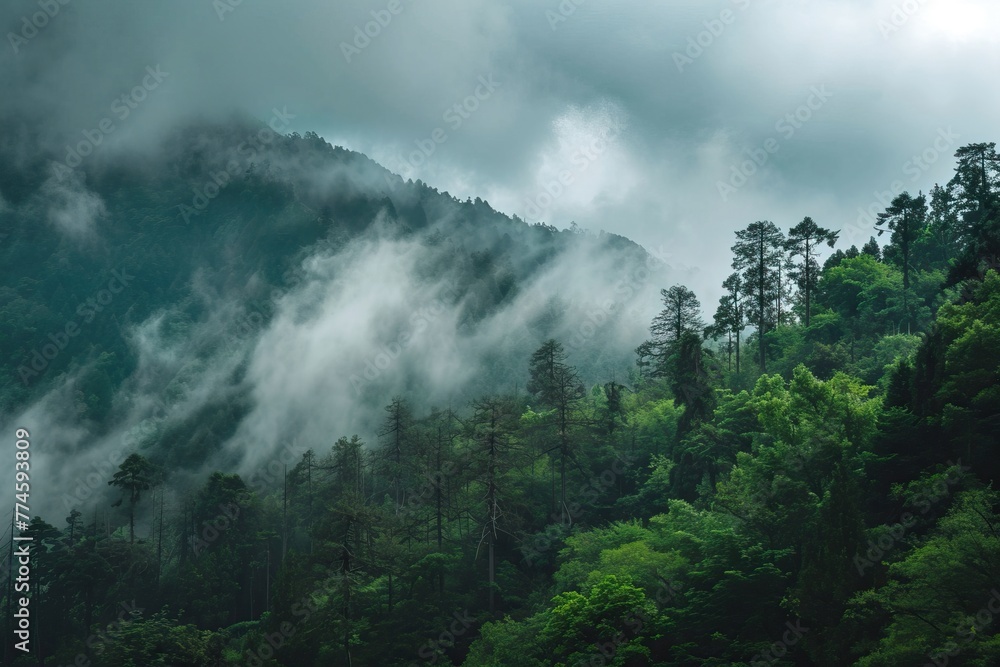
(906, 218)
(802, 241)
(872, 249)
(721, 326)
(397, 446)
(134, 476)
(975, 189)
(557, 386)
(942, 226)
(492, 421)
(758, 255)
(681, 314)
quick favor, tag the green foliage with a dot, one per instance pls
(942, 598)
(839, 510)
(160, 641)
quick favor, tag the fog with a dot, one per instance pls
(318, 357)
(695, 94)
(631, 133)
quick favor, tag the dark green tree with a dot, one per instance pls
(730, 318)
(872, 249)
(941, 244)
(492, 422)
(975, 190)
(134, 476)
(557, 386)
(906, 218)
(397, 445)
(690, 383)
(758, 255)
(802, 241)
(681, 314)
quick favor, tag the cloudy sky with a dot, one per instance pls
(633, 117)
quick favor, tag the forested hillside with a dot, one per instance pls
(224, 218)
(151, 321)
(801, 475)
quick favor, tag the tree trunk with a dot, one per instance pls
(492, 576)
(738, 349)
(808, 283)
(761, 304)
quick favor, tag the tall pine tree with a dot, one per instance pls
(758, 254)
(802, 241)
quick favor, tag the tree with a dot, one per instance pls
(491, 424)
(159, 640)
(134, 476)
(729, 317)
(942, 228)
(872, 249)
(724, 312)
(906, 218)
(690, 383)
(758, 255)
(298, 494)
(785, 291)
(614, 411)
(645, 359)
(396, 450)
(681, 314)
(936, 596)
(975, 189)
(445, 431)
(557, 386)
(802, 241)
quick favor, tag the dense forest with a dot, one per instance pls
(800, 475)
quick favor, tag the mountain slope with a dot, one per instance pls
(238, 289)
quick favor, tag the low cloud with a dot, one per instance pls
(69, 206)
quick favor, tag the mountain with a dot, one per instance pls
(234, 289)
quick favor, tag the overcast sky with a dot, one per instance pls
(681, 92)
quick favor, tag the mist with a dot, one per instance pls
(317, 356)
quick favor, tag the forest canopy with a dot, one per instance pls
(802, 474)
